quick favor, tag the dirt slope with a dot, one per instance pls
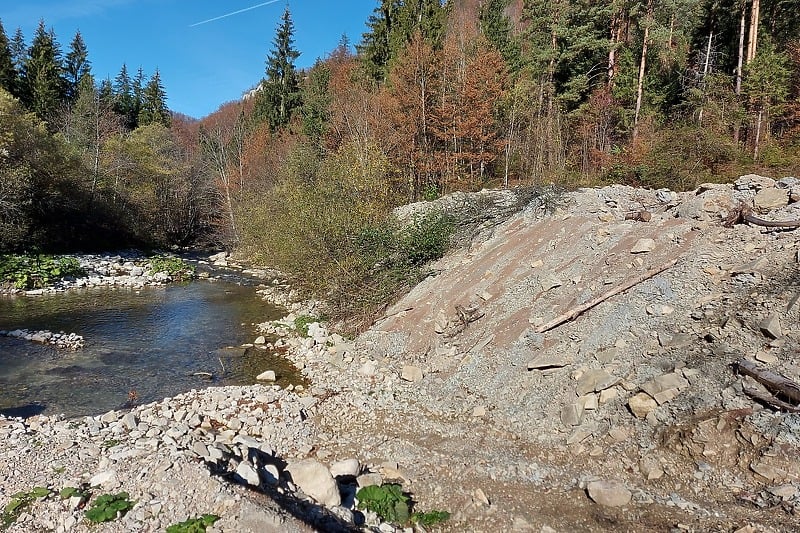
(637, 391)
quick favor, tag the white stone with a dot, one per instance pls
(316, 481)
(268, 375)
(347, 467)
(412, 373)
(609, 493)
(248, 474)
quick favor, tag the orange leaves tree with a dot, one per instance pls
(472, 81)
(441, 104)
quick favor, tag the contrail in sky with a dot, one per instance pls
(234, 13)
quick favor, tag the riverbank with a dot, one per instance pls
(564, 372)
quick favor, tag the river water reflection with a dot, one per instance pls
(152, 341)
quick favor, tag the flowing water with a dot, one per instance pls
(141, 346)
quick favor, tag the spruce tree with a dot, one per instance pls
(123, 98)
(8, 74)
(106, 92)
(280, 91)
(374, 47)
(154, 103)
(42, 83)
(391, 27)
(76, 66)
(496, 26)
(316, 104)
(137, 90)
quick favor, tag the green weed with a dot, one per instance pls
(109, 507)
(177, 268)
(37, 271)
(19, 502)
(193, 525)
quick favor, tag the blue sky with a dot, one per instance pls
(201, 65)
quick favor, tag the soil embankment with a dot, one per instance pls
(571, 370)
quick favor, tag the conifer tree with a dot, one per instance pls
(280, 90)
(106, 93)
(496, 26)
(374, 46)
(316, 103)
(42, 83)
(154, 103)
(123, 97)
(137, 90)
(8, 74)
(391, 27)
(76, 66)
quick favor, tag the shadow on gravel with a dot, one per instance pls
(311, 514)
(24, 411)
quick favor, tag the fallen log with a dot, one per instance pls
(789, 224)
(744, 213)
(775, 383)
(576, 312)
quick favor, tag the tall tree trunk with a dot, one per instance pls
(706, 64)
(642, 67)
(739, 65)
(612, 52)
(740, 60)
(752, 42)
(758, 134)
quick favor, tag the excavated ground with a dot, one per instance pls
(572, 369)
(510, 423)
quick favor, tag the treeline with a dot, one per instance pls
(436, 97)
(90, 165)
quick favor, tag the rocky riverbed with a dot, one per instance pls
(572, 369)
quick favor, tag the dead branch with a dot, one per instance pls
(743, 213)
(771, 400)
(639, 216)
(775, 383)
(574, 313)
(770, 223)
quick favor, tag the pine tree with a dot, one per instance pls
(391, 27)
(374, 47)
(19, 50)
(42, 83)
(76, 66)
(8, 74)
(316, 103)
(137, 90)
(496, 26)
(154, 103)
(106, 93)
(280, 90)
(123, 98)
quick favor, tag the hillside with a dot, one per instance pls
(629, 417)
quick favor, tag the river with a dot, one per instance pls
(141, 345)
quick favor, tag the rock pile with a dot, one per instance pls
(69, 341)
(256, 436)
(580, 359)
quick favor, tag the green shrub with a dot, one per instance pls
(427, 238)
(36, 271)
(387, 501)
(393, 505)
(177, 268)
(302, 322)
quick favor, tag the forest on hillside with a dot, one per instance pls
(436, 97)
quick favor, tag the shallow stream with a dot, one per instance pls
(141, 346)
